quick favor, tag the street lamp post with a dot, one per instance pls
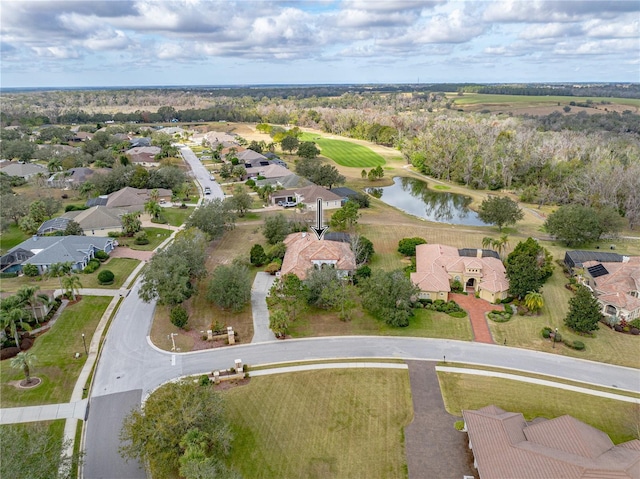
(86, 353)
(555, 335)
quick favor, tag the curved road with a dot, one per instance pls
(130, 367)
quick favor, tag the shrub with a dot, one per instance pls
(635, 323)
(106, 277)
(101, 256)
(618, 328)
(508, 308)
(499, 316)
(277, 251)
(250, 183)
(141, 238)
(115, 234)
(93, 265)
(204, 380)
(257, 255)
(459, 425)
(179, 317)
(546, 332)
(458, 314)
(407, 246)
(579, 345)
(273, 267)
(634, 331)
(361, 273)
(161, 219)
(75, 208)
(30, 270)
(456, 286)
(11, 275)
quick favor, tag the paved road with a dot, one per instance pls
(200, 173)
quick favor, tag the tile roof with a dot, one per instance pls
(436, 262)
(505, 446)
(614, 286)
(305, 248)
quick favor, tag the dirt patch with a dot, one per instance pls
(123, 252)
(226, 385)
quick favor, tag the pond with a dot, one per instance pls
(413, 196)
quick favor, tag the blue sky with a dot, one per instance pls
(209, 42)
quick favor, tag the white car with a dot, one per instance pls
(207, 191)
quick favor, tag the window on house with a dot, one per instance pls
(611, 309)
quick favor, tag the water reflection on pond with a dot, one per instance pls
(413, 196)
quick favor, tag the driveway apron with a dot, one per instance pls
(259, 291)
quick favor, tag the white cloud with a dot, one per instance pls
(56, 52)
(597, 47)
(550, 30)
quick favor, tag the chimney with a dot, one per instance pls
(304, 234)
(478, 253)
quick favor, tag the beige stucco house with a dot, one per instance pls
(480, 272)
(306, 251)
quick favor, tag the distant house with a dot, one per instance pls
(95, 221)
(344, 193)
(305, 251)
(616, 286)
(139, 142)
(268, 171)
(504, 445)
(128, 198)
(73, 177)
(288, 182)
(438, 265)
(143, 155)
(252, 159)
(308, 196)
(43, 251)
(23, 170)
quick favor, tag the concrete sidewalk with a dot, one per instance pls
(47, 412)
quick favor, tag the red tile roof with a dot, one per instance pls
(305, 248)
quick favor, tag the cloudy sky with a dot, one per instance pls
(214, 42)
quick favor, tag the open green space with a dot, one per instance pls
(11, 237)
(482, 98)
(55, 351)
(461, 391)
(345, 153)
(177, 216)
(120, 267)
(155, 235)
(318, 424)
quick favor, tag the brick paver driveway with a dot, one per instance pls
(476, 308)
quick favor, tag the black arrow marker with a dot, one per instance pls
(319, 230)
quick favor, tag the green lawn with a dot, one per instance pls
(318, 424)
(177, 216)
(345, 153)
(155, 235)
(461, 391)
(11, 237)
(55, 350)
(120, 267)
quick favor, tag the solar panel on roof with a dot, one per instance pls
(597, 270)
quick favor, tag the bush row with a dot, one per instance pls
(577, 345)
(450, 307)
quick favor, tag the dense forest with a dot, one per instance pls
(590, 159)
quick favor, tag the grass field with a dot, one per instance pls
(321, 424)
(13, 236)
(55, 350)
(345, 153)
(156, 236)
(462, 391)
(481, 98)
(177, 216)
(120, 267)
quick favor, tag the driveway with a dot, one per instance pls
(433, 446)
(476, 308)
(259, 291)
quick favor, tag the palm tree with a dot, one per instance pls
(24, 360)
(487, 241)
(72, 285)
(154, 195)
(28, 295)
(153, 208)
(12, 318)
(57, 270)
(54, 165)
(500, 244)
(534, 301)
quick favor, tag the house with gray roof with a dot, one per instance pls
(48, 250)
(128, 198)
(95, 221)
(23, 170)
